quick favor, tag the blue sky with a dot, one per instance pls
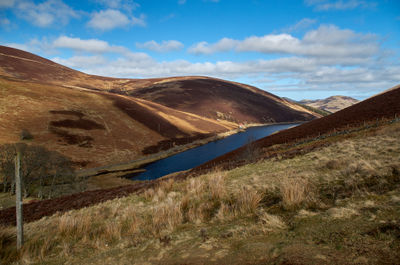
(298, 49)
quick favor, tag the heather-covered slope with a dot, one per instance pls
(382, 106)
(222, 100)
(204, 96)
(99, 120)
(93, 128)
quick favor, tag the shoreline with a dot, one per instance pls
(113, 174)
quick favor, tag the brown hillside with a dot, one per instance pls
(204, 96)
(99, 120)
(93, 128)
(223, 100)
(384, 105)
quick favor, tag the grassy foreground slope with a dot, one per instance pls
(338, 204)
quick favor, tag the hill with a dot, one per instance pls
(336, 201)
(364, 116)
(218, 99)
(331, 104)
(316, 110)
(382, 106)
(99, 120)
(92, 127)
(204, 96)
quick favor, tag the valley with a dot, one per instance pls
(340, 170)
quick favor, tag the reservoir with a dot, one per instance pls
(199, 155)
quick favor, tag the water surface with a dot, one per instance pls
(199, 155)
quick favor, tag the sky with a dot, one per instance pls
(305, 49)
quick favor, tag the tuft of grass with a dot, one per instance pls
(71, 226)
(271, 222)
(248, 200)
(159, 195)
(216, 185)
(166, 215)
(166, 185)
(225, 212)
(295, 192)
(195, 187)
(149, 194)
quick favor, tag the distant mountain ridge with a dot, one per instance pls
(331, 104)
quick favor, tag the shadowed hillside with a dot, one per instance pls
(223, 100)
(204, 96)
(99, 120)
(382, 106)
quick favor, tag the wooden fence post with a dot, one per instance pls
(18, 204)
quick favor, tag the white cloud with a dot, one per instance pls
(140, 21)
(79, 61)
(89, 45)
(181, 2)
(325, 5)
(280, 43)
(164, 46)
(222, 45)
(302, 24)
(108, 19)
(112, 18)
(324, 43)
(7, 3)
(47, 13)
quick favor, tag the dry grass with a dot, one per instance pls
(334, 208)
(248, 200)
(167, 215)
(225, 212)
(195, 187)
(72, 226)
(216, 185)
(295, 192)
(167, 184)
(271, 222)
(149, 194)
